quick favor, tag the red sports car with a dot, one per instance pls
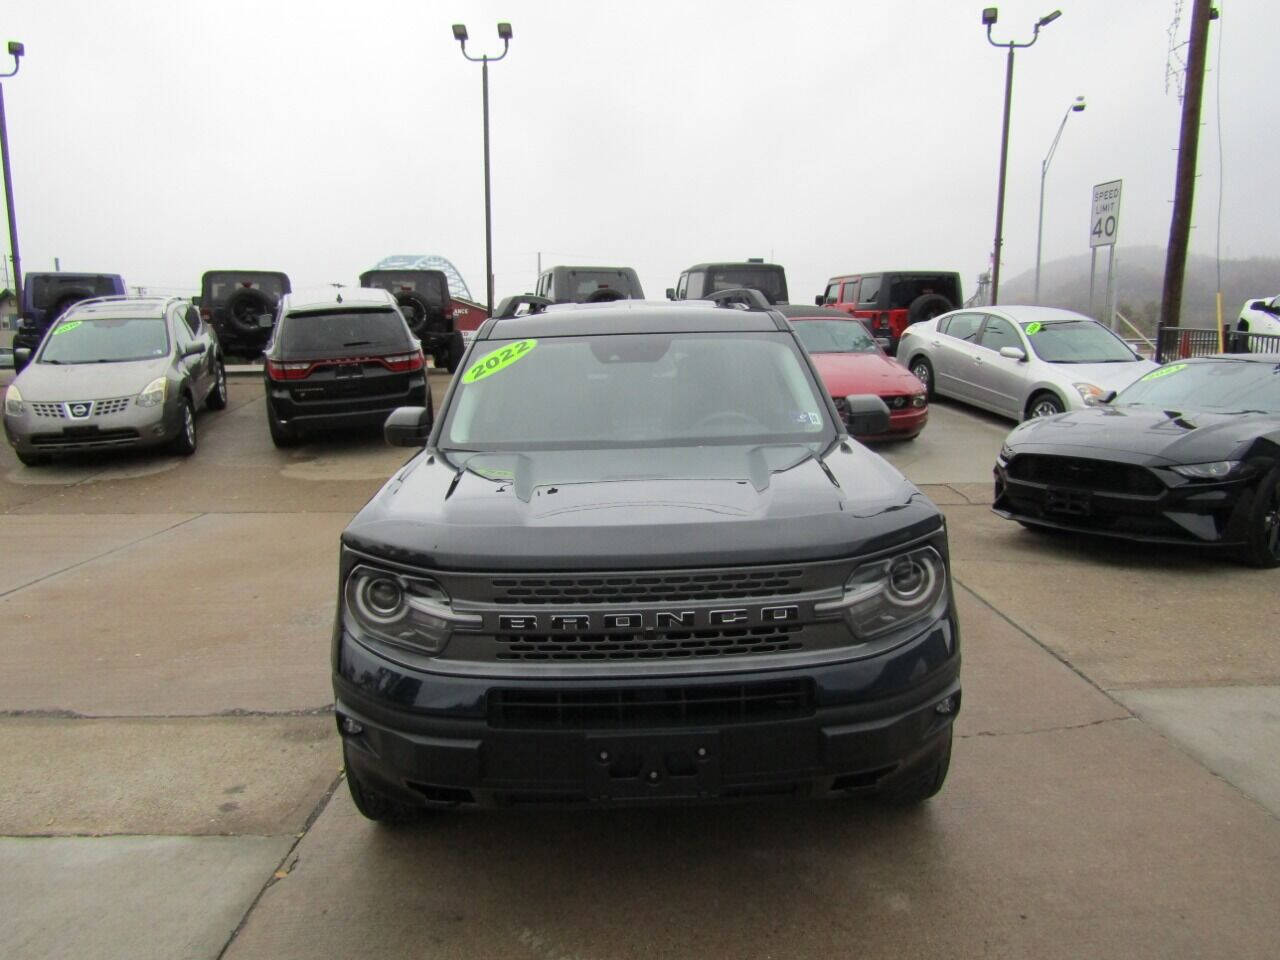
(850, 362)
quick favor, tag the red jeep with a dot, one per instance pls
(889, 302)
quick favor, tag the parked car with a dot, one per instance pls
(1260, 316)
(340, 358)
(589, 284)
(851, 362)
(889, 301)
(1018, 361)
(636, 562)
(704, 279)
(424, 299)
(116, 372)
(1190, 454)
(47, 296)
(241, 305)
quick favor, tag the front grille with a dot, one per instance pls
(1080, 473)
(643, 707)
(672, 645)
(104, 408)
(655, 588)
(99, 408)
(49, 410)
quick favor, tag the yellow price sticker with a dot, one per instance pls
(1165, 371)
(71, 325)
(498, 360)
(1034, 327)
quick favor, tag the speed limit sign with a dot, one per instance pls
(1104, 216)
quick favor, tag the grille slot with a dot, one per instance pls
(671, 645)
(1084, 474)
(104, 408)
(657, 588)
(49, 410)
(634, 707)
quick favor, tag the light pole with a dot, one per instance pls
(1076, 107)
(504, 33)
(989, 19)
(16, 50)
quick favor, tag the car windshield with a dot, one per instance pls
(636, 390)
(770, 282)
(430, 284)
(1076, 341)
(1225, 386)
(834, 336)
(103, 340)
(347, 332)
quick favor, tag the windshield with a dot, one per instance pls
(103, 340)
(1219, 385)
(1076, 341)
(430, 284)
(636, 390)
(771, 282)
(347, 332)
(834, 336)
(578, 285)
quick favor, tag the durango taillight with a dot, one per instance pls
(404, 362)
(288, 371)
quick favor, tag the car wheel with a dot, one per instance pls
(1043, 405)
(185, 442)
(31, 459)
(922, 786)
(923, 370)
(374, 805)
(1264, 523)
(217, 399)
(281, 434)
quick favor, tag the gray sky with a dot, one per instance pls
(161, 139)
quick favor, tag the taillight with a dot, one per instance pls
(288, 371)
(404, 362)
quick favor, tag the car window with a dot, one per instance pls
(998, 333)
(343, 331)
(105, 340)
(833, 293)
(850, 292)
(963, 326)
(192, 317)
(682, 286)
(834, 336)
(870, 295)
(181, 333)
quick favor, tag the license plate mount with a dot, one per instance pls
(666, 766)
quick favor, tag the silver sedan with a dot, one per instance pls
(1020, 362)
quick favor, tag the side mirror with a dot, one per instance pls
(407, 427)
(196, 300)
(867, 415)
(21, 356)
(1013, 353)
(192, 350)
(1107, 397)
(819, 301)
(671, 293)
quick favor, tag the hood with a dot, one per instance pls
(1140, 434)
(619, 509)
(850, 373)
(88, 381)
(1108, 376)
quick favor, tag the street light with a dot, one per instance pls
(504, 34)
(1075, 107)
(989, 15)
(16, 50)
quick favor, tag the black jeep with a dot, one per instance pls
(241, 306)
(425, 301)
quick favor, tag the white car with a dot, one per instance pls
(1020, 362)
(1260, 316)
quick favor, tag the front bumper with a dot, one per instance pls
(903, 425)
(860, 724)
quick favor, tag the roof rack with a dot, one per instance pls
(740, 298)
(118, 298)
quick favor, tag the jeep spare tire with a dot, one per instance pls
(606, 295)
(419, 315)
(245, 306)
(927, 306)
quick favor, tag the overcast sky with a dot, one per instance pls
(162, 139)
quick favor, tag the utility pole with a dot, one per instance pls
(1175, 264)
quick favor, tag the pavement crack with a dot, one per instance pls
(1037, 730)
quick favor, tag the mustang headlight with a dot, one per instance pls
(1218, 470)
(153, 392)
(13, 401)
(1006, 453)
(887, 594)
(406, 611)
(1090, 393)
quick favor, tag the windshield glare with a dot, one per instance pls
(102, 340)
(636, 390)
(1076, 341)
(1218, 385)
(834, 336)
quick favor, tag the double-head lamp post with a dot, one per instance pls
(504, 33)
(16, 50)
(989, 16)
(1076, 107)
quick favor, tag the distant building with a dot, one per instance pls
(8, 319)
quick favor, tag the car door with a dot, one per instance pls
(869, 297)
(999, 382)
(192, 369)
(952, 350)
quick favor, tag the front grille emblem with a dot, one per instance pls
(79, 410)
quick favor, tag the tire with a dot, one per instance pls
(185, 442)
(1264, 523)
(243, 309)
(31, 459)
(451, 356)
(1043, 404)
(374, 805)
(923, 371)
(927, 306)
(419, 315)
(217, 399)
(607, 295)
(923, 785)
(281, 435)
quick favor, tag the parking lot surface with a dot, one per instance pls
(172, 778)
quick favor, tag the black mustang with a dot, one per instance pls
(1190, 453)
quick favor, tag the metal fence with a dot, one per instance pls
(1179, 343)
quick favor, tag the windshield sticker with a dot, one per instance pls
(500, 359)
(1165, 371)
(808, 418)
(493, 473)
(70, 325)
(1034, 327)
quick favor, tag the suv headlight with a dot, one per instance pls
(1218, 470)
(154, 392)
(402, 610)
(13, 401)
(888, 594)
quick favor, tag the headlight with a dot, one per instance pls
(153, 392)
(1206, 471)
(410, 612)
(919, 400)
(13, 401)
(888, 594)
(1090, 393)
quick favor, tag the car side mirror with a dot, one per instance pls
(671, 293)
(1107, 397)
(1013, 353)
(867, 415)
(21, 355)
(195, 301)
(407, 427)
(192, 350)
(819, 301)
